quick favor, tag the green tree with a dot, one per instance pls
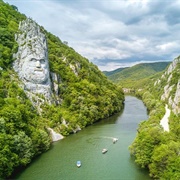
(142, 148)
(166, 161)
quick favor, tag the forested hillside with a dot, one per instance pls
(85, 96)
(154, 148)
(135, 76)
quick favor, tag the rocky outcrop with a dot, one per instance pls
(175, 103)
(55, 136)
(65, 124)
(32, 64)
(56, 81)
(171, 92)
(167, 90)
(173, 65)
(77, 129)
(75, 68)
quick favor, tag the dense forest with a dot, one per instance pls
(85, 98)
(154, 148)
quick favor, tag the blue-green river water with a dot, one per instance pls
(59, 163)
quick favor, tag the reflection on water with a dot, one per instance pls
(87, 145)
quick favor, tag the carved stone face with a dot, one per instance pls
(35, 69)
(31, 64)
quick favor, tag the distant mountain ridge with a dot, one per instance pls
(136, 72)
(109, 73)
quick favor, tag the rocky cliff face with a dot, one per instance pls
(32, 63)
(172, 88)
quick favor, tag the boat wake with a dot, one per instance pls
(107, 137)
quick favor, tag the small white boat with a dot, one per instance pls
(78, 163)
(104, 151)
(115, 140)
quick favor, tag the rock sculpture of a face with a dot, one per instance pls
(35, 68)
(31, 62)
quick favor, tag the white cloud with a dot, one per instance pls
(114, 30)
(167, 46)
(110, 66)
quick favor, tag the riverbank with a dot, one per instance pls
(60, 161)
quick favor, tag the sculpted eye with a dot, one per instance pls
(42, 60)
(33, 59)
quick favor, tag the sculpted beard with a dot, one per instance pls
(35, 71)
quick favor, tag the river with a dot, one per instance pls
(59, 163)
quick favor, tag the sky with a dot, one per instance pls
(111, 33)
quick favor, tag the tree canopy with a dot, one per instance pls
(154, 148)
(85, 94)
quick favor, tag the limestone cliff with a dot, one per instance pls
(172, 85)
(32, 67)
(32, 63)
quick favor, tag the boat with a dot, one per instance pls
(104, 151)
(115, 140)
(78, 163)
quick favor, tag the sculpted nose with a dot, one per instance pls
(38, 64)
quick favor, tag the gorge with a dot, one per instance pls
(49, 91)
(60, 161)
